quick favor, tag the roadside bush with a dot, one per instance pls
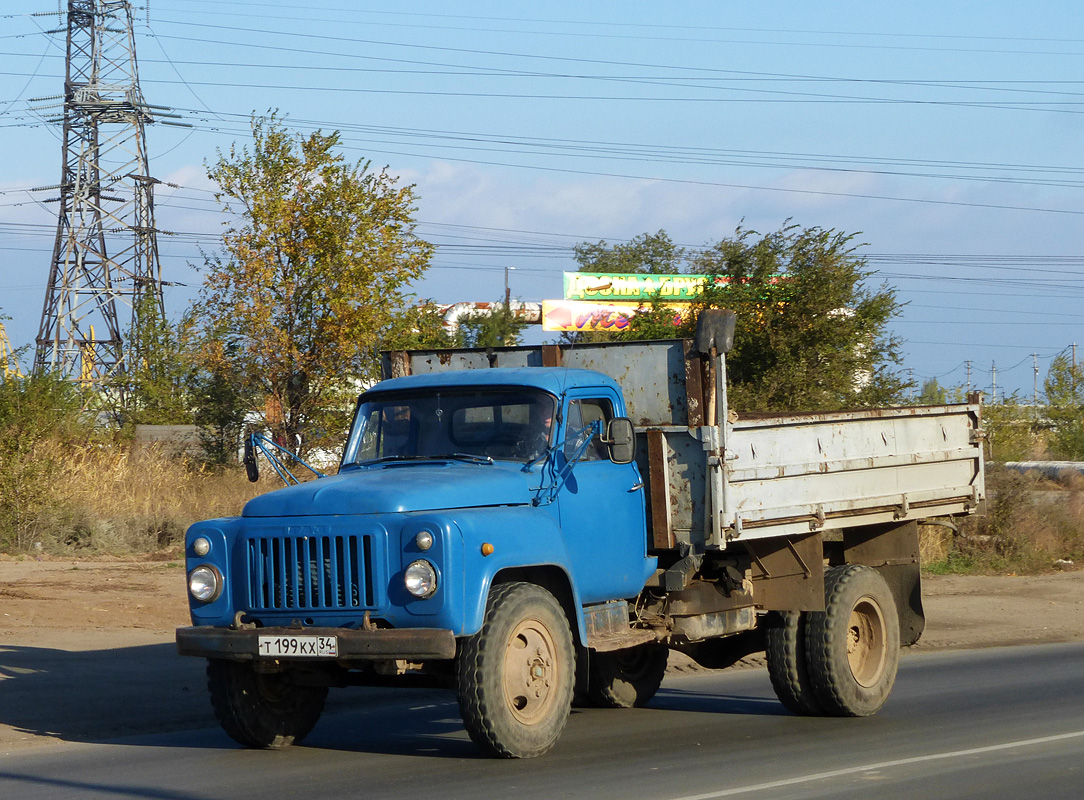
(67, 489)
(1032, 525)
(39, 417)
(1012, 432)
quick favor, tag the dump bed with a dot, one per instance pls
(757, 476)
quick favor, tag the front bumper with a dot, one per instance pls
(410, 644)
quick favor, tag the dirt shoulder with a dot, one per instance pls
(86, 648)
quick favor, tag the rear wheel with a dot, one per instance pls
(262, 709)
(626, 678)
(853, 646)
(787, 664)
(515, 677)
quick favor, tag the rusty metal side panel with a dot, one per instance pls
(551, 355)
(788, 572)
(447, 360)
(651, 376)
(394, 364)
(658, 471)
(851, 468)
(685, 475)
(694, 392)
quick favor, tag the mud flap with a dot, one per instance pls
(892, 549)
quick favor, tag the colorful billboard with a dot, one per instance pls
(571, 315)
(622, 288)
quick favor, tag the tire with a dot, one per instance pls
(515, 677)
(787, 663)
(853, 646)
(266, 710)
(626, 678)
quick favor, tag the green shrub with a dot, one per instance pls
(39, 416)
(1031, 525)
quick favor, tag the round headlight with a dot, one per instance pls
(424, 540)
(204, 583)
(201, 547)
(421, 579)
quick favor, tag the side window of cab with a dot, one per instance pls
(581, 413)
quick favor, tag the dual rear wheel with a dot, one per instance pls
(841, 661)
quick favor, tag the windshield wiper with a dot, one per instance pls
(464, 457)
(443, 457)
(385, 459)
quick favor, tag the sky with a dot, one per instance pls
(947, 137)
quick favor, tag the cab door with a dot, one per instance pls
(601, 507)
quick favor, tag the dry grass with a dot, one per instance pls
(934, 543)
(109, 500)
(1032, 525)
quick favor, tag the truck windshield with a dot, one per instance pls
(502, 424)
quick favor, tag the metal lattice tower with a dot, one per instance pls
(106, 251)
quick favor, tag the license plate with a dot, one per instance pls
(298, 646)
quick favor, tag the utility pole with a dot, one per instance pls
(1035, 372)
(993, 378)
(967, 365)
(106, 248)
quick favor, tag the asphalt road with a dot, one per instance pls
(999, 723)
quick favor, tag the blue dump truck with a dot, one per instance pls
(534, 526)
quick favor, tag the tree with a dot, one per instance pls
(1010, 431)
(419, 327)
(1064, 387)
(648, 253)
(810, 335)
(933, 393)
(422, 328)
(312, 274)
(499, 327)
(221, 400)
(156, 380)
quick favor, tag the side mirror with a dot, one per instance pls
(252, 467)
(621, 440)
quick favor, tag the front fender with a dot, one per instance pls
(220, 534)
(521, 537)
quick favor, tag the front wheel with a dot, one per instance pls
(626, 678)
(853, 646)
(262, 709)
(514, 678)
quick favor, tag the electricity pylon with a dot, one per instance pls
(105, 256)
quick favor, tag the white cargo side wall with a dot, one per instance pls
(801, 473)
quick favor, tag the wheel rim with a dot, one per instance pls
(531, 673)
(867, 642)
